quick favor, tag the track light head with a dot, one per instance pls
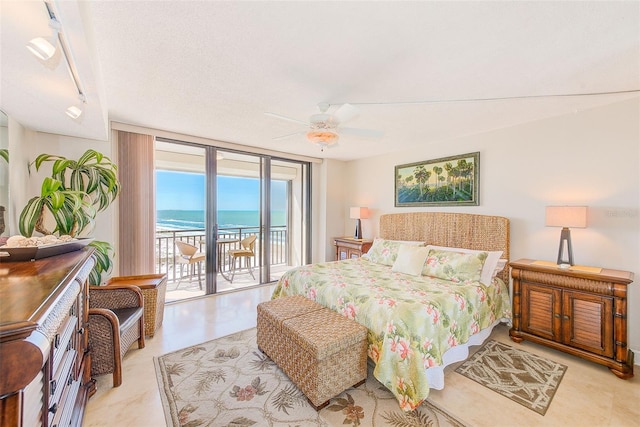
(75, 111)
(45, 47)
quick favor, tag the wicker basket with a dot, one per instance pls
(153, 288)
(321, 351)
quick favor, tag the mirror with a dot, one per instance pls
(4, 173)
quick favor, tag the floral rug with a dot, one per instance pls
(229, 382)
(525, 378)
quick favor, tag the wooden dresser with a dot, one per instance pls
(348, 247)
(45, 364)
(581, 311)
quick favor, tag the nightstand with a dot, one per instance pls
(348, 247)
(581, 311)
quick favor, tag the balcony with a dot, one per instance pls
(187, 286)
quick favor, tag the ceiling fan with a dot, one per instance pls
(324, 128)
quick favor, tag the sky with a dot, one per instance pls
(186, 191)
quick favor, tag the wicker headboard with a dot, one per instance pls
(458, 230)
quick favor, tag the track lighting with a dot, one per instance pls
(45, 47)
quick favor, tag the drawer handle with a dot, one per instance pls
(56, 341)
(557, 316)
(54, 408)
(565, 317)
(53, 386)
(81, 331)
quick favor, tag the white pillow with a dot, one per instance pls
(410, 259)
(490, 264)
(499, 266)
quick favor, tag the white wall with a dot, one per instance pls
(589, 158)
(328, 209)
(19, 141)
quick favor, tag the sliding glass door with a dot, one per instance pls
(181, 200)
(246, 214)
(288, 209)
(240, 234)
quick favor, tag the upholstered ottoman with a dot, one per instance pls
(321, 351)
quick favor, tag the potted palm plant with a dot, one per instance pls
(70, 199)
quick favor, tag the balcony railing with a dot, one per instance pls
(166, 251)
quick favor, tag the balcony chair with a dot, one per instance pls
(246, 252)
(190, 256)
(116, 321)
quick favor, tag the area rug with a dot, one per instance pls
(229, 382)
(523, 377)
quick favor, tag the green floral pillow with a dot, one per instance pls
(454, 266)
(385, 252)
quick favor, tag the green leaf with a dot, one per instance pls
(49, 185)
(4, 153)
(102, 255)
(30, 215)
(45, 158)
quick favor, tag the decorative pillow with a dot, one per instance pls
(454, 266)
(410, 259)
(384, 251)
(490, 263)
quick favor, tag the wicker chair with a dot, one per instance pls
(190, 256)
(248, 244)
(116, 321)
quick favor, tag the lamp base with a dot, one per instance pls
(565, 241)
(358, 233)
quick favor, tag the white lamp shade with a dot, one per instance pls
(566, 216)
(359, 213)
(325, 137)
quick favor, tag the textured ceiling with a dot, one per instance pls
(211, 69)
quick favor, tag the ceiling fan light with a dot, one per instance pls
(322, 137)
(74, 112)
(41, 48)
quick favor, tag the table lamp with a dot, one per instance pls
(565, 217)
(358, 214)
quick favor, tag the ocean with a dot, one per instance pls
(193, 220)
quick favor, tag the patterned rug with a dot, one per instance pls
(229, 382)
(523, 377)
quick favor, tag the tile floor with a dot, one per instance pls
(589, 394)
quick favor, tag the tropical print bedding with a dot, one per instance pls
(412, 320)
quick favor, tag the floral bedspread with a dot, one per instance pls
(412, 321)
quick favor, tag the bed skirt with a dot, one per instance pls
(435, 374)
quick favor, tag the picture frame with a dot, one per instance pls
(448, 181)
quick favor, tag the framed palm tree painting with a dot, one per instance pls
(449, 181)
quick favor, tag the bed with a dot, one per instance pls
(418, 320)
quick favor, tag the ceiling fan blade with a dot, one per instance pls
(278, 116)
(289, 135)
(345, 113)
(371, 133)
